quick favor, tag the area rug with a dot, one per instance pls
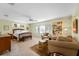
(40, 51)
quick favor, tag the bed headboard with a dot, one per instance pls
(16, 30)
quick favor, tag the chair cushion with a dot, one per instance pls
(46, 34)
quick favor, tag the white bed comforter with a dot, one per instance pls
(19, 32)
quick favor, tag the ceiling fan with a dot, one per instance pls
(12, 4)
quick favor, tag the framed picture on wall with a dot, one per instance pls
(6, 27)
(15, 25)
(75, 26)
(27, 28)
(22, 26)
(57, 28)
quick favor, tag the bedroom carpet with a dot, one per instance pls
(22, 48)
(40, 51)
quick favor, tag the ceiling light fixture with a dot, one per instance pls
(30, 19)
(12, 4)
(6, 15)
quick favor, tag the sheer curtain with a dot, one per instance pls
(43, 28)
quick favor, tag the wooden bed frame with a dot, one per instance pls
(23, 37)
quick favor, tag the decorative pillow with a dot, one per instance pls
(69, 38)
(54, 38)
(61, 38)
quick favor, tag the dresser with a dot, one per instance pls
(5, 43)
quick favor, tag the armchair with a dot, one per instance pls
(46, 35)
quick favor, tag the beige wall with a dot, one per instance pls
(2, 23)
(67, 21)
(76, 15)
(10, 24)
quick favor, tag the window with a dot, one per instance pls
(42, 29)
(37, 29)
(48, 28)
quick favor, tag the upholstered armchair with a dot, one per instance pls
(45, 35)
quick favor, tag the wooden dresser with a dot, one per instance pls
(5, 43)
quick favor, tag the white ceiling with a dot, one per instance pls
(21, 12)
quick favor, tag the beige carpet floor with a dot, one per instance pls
(22, 48)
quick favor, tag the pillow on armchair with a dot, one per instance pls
(46, 34)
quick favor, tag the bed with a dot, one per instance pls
(21, 34)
